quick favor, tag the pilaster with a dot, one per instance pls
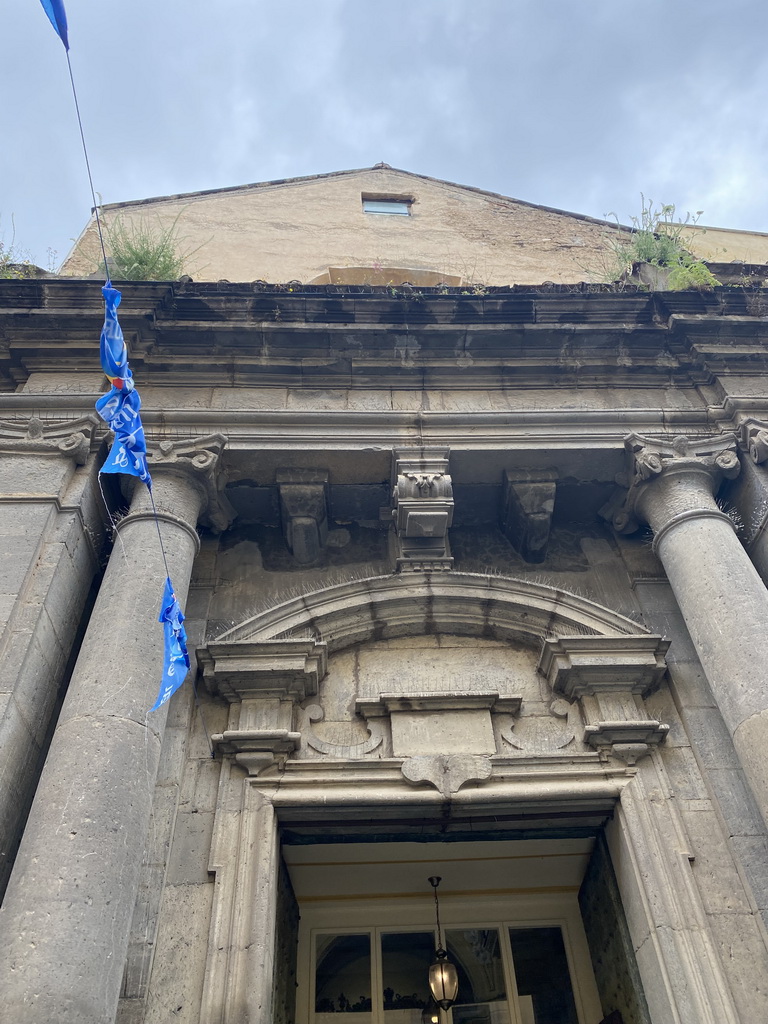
(49, 556)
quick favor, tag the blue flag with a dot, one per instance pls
(119, 408)
(176, 660)
(58, 18)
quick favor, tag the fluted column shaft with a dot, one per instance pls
(67, 913)
(722, 598)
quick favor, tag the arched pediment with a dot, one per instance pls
(464, 604)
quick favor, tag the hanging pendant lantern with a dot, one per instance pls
(443, 976)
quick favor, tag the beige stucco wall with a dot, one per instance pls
(297, 230)
(723, 245)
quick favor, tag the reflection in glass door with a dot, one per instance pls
(379, 976)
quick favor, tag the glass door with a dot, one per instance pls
(508, 974)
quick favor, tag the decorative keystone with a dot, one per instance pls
(447, 772)
(422, 497)
(705, 462)
(527, 507)
(304, 511)
(66, 437)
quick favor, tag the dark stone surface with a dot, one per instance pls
(610, 945)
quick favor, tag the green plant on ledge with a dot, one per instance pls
(142, 251)
(658, 239)
(14, 264)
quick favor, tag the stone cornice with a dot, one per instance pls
(567, 333)
(578, 666)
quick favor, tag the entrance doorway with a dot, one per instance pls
(510, 922)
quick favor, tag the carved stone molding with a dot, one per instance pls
(654, 472)
(278, 669)
(447, 772)
(386, 703)
(527, 507)
(304, 511)
(71, 438)
(195, 458)
(576, 666)
(257, 749)
(610, 677)
(314, 713)
(422, 496)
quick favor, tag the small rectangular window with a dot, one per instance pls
(399, 206)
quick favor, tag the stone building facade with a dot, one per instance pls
(475, 580)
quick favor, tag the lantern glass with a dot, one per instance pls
(443, 980)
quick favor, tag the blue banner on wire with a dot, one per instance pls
(119, 408)
(58, 18)
(176, 659)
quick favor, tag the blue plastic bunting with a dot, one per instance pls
(176, 660)
(120, 407)
(58, 18)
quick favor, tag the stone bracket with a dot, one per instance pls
(304, 503)
(627, 740)
(61, 437)
(422, 497)
(526, 513)
(754, 438)
(257, 749)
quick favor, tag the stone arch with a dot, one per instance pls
(468, 604)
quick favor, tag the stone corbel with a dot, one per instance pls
(66, 437)
(526, 513)
(263, 681)
(610, 676)
(257, 749)
(422, 496)
(196, 458)
(304, 511)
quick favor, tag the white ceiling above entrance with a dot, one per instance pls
(346, 871)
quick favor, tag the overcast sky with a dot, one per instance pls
(576, 104)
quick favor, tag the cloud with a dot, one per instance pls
(576, 105)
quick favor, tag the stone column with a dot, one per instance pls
(67, 913)
(724, 602)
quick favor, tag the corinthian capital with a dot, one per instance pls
(196, 459)
(667, 477)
